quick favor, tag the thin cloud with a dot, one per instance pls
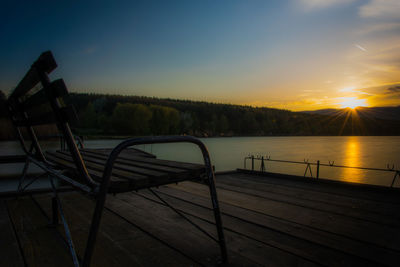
(393, 90)
(310, 5)
(387, 9)
(311, 91)
(360, 47)
(384, 95)
(365, 93)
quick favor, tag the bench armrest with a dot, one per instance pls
(152, 140)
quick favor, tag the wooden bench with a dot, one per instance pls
(37, 101)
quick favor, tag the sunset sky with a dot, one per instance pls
(295, 54)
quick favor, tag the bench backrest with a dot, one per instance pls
(38, 101)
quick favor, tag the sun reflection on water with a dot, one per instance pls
(352, 158)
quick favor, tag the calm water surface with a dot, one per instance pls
(228, 154)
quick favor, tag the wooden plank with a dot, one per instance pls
(385, 236)
(120, 181)
(30, 80)
(161, 162)
(128, 152)
(12, 159)
(150, 166)
(57, 88)
(9, 246)
(178, 233)
(135, 151)
(349, 202)
(156, 178)
(333, 208)
(337, 242)
(40, 244)
(255, 250)
(45, 63)
(303, 249)
(38, 191)
(142, 171)
(119, 243)
(135, 181)
(361, 191)
(66, 158)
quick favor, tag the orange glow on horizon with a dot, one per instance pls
(353, 102)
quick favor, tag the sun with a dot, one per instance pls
(352, 102)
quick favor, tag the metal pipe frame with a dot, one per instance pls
(101, 194)
(318, 164)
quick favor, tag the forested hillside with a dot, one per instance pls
(133, 115)
(105, 115)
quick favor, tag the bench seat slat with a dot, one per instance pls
(120, 181)
(99, 167)
(30, 80)
(125, 167)
(45, 63)
(126, 171)
(128, 152)
(160, 162)
(57, 89)
(132, 162)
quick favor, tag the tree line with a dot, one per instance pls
(135, 115)
(117, 115)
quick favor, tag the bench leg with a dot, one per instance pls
(94, 228)
(217, 215)
(57, 207)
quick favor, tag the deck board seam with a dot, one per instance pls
(322, 230)
(292, 222)
(307, 199)
(262, 226)
(266, 183)
(228, 229)
(151, 235)
(331, 193)
(311, 208)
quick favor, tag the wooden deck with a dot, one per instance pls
(268, 221)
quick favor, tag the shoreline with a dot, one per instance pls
(123, 137)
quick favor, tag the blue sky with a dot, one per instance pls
(295, 54)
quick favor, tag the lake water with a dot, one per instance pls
(228, 154)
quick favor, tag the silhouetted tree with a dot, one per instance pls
(131, 119)
(88, 117)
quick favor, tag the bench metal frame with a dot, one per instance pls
(52, 91)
